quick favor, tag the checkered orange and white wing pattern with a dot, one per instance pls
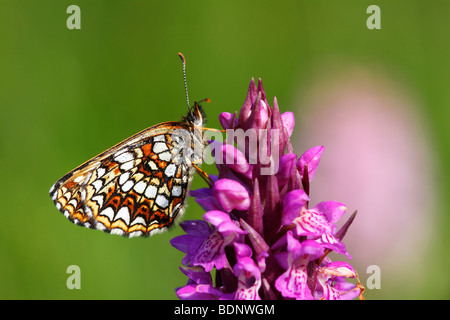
(135, 188)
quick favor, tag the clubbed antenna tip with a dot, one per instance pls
(183, 60)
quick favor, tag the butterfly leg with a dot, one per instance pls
(204, 175)
(213, 130)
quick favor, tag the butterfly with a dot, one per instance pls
(139, 186)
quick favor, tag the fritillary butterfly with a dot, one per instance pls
(139, 186)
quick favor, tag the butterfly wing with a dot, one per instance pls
(135, 188)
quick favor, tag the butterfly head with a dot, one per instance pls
(196, 116)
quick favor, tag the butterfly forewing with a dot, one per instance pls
(136, 188)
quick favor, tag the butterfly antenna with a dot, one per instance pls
(183, 60)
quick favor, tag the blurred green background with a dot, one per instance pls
(66, 95)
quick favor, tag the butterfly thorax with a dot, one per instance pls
(190, 144)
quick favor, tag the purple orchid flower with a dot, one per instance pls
(259, 232)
